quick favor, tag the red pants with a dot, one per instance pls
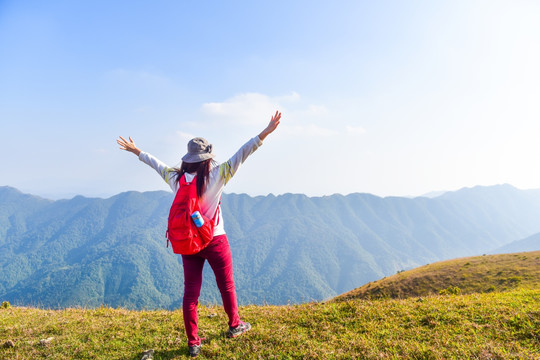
(218, 254)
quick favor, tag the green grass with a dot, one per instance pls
(503, 325)
(479, 274)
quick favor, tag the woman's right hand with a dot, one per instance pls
(128, 145)
(274, 122)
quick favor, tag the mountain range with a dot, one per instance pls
(286, 249)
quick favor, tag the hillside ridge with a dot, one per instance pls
(476, 274)
(286, 249)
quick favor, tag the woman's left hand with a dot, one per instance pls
(274, 122)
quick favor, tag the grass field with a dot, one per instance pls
(485, 307)
(502, 325)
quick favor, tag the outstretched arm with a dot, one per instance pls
(274, 122)
(228, 168)
(128, 145)
(161, 168)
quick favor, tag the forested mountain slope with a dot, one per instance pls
(287, 248)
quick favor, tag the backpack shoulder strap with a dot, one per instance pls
(216, 218)
(183, 180)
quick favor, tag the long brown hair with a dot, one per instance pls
(201, 169)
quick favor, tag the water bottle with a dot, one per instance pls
(197, 219)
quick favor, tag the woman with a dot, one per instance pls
(210, 183)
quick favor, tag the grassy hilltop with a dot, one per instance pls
(478, 274)
(493, 325)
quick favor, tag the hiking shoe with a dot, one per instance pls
(239, 330)
(195, 350)
(148, 355)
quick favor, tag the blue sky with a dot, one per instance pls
(385, 97)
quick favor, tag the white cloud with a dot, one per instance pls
(185, 135)
(312, 111)
(311, 130)
(255, 109)
(248, 109)
(355, 130)
(292, 98)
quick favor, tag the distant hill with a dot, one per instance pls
(530, 243)
(287, 249)
(479, 274)
(433, 194)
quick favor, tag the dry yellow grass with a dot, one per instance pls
(487, 273)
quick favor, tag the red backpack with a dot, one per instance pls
(185, 237)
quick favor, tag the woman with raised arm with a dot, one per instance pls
(210, 182)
